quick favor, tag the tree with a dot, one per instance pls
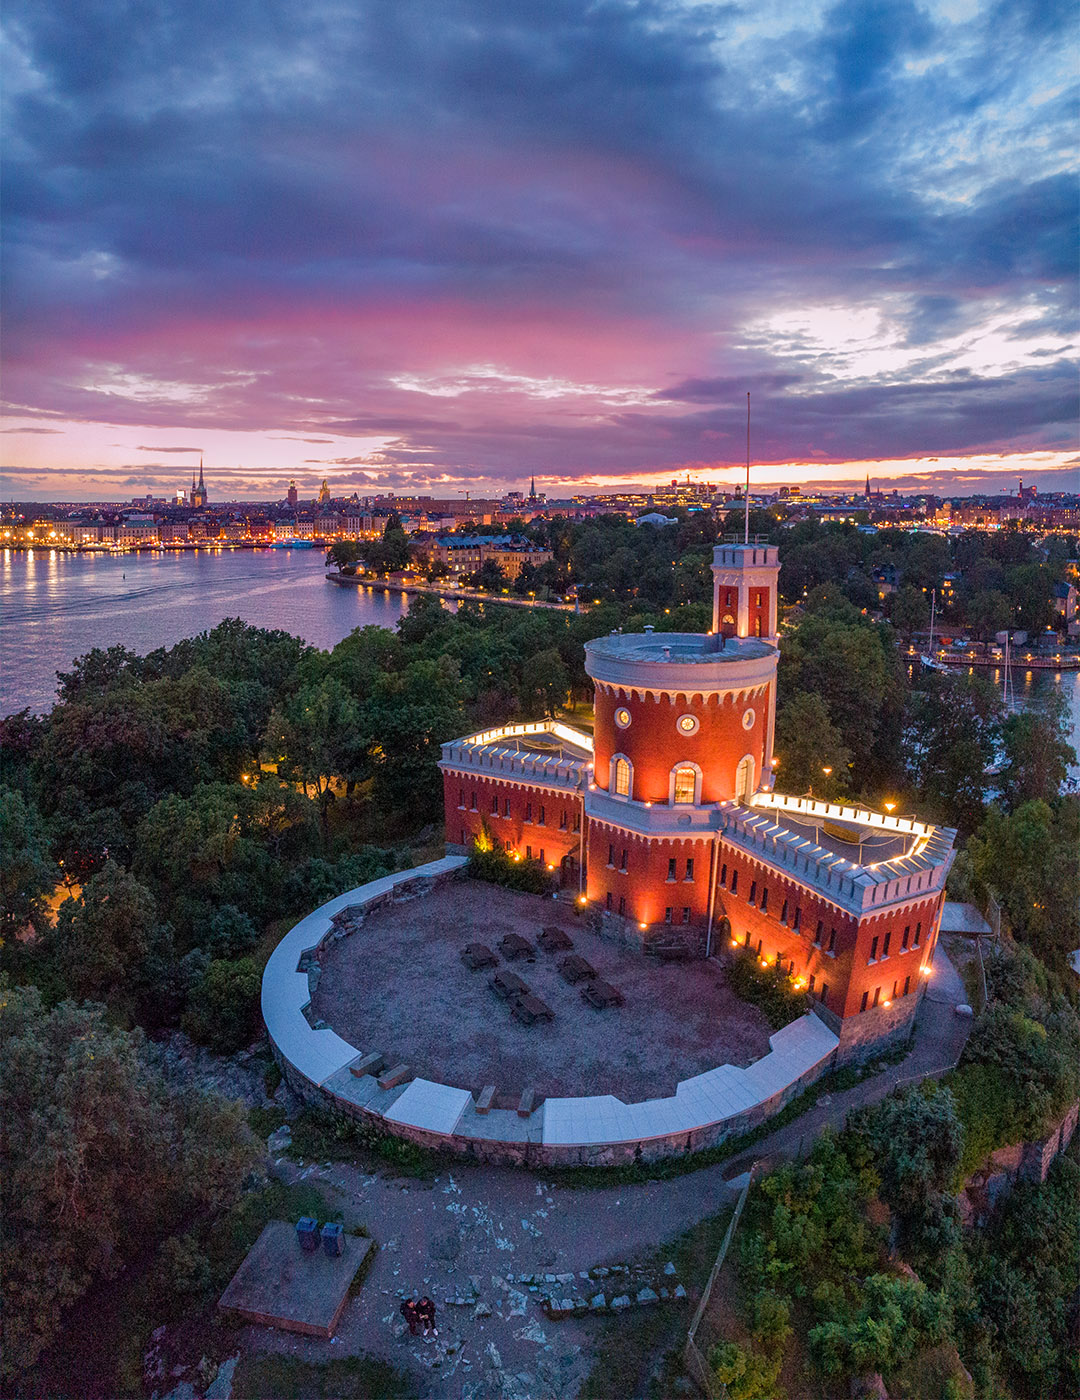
(909, 611)
(806, 743)
(103, 939)
(1037, 750)
(544, 683)
(223, 1009)
(412, 712)
(316, 736)
(26, 873)
(950, 737)
(97, 1157)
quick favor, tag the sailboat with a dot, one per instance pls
(927, 658)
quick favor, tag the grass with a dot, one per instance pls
(630, 1345)
(275, 1377)
(319, 1136)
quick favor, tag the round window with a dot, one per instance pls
(687, 724)
(622, 718)
(748, 719)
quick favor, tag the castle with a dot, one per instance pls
(666, 824)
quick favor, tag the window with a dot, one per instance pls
(622, 904)
(832, 941)
(798, 918)
(744, 777)
(562, 820)
(907, 985)
(765, 899)
(463, 836)
(542, 820)
(495, 806)
(506, 807)
(622, 777)
(894, 987)
(824, 993)
(877, 995)
(473, 804)
(686, 914)
(622, 864)
(734, 882)
(759, 947)
(783, 912)
(528, 811)
(685, 786)
(608, 901)
(746, 940)
(528, 853)
(461, 798)
(885, 945)
(811, 986)
(918, 931)
(906, 938)
(671, 868)
(543, 857)
(873, 950)
(690, 869)
(817, 933)
(622, 718)
(667, 915)
(723, 873)
(611, 857)
(577, 823)
(865, 999)
(751, 898)
(687, 724)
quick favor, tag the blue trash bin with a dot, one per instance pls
(307, 1232)
(333, 1239)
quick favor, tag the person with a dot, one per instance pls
(425, 1310)
(411, 1314)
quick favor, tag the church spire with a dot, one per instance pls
(532, 488)
(202, 484)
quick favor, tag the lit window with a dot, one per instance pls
(622, 777)
(687, 724)
(685, 784)
(622, 718)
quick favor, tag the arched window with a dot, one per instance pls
(744, 779)
(623, 775)
(685, 783)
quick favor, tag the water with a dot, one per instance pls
(55, 606)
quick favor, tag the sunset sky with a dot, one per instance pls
(438, 245)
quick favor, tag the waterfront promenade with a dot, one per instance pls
(457, 595)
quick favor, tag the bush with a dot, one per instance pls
(512, 872)
(770, 989)
(223, 1009)
(182, 1270)
(748, 1375)
(232, 934)
(318, 880)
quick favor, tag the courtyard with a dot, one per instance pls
(398, 986)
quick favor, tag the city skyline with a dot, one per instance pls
(431, 249)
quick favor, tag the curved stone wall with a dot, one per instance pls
(597, 1130)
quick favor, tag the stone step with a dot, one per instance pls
(526, 1103)
(370, 1064)
(393, 1077)
(485, 1099)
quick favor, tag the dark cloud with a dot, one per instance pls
(47, 431)
(168, 449)
(263, 216)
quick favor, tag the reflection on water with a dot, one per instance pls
(55, 606)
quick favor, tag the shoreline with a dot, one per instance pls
(458, 594)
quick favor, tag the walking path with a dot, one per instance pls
(469, 1228)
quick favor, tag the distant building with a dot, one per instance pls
(199, 497)
(466, 554)
(292, 496)
(324, 492)
(1063, 599)
(654, 518)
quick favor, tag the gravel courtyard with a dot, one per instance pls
(398, 986)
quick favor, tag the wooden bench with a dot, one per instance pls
(555, 940)
(478, 955)
(393, 1077)
(513, 947)
(529, 1009)
(370, 1064)
(508, 985)
(485, 1099)
(602, 995)
(669, 952)
(526, 1103)
(575, 969)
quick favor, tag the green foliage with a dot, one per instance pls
(103, 941)
(952, 727)
(223, 1009)
(183, 1270)
(771, 989)
(97, 1157)
(809, 743)
(27, 875)
(317, 880)
(747, 1374)
(893, 1317)
(1037, 750)
(318, 1136)
(496, 867)
(1028, 858)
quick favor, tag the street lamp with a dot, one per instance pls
(890, 807)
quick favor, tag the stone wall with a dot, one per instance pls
(321, 1068)
(1019, 1161)
(877, 1030)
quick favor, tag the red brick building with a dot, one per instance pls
(666, 823)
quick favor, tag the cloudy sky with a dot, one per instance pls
(448, 244)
